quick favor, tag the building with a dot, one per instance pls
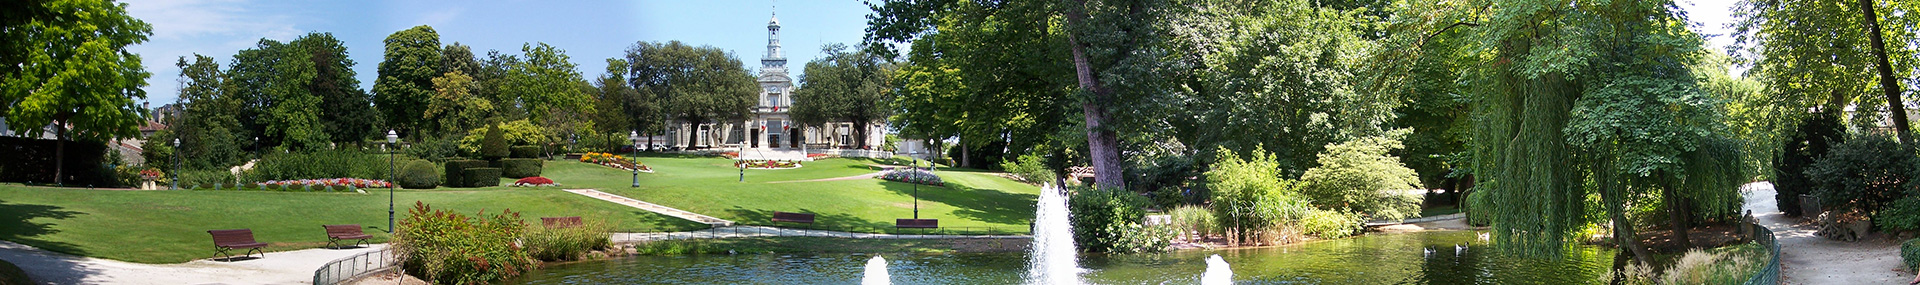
(768, 125)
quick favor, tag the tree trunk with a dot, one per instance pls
(1677, 216)
(1623, 232)
(1895, 108)
(861, 133)
(1102, 143)
(60, 154)
(964, 161)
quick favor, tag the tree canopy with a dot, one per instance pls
(411, 62)
(699, 84)
(852, 86)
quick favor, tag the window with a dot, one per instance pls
(773, 99)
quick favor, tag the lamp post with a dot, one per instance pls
(256, 147)
(916, 185)
(635, 137)
(392, 138)
(176, 164)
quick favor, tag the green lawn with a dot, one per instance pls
(170, 226)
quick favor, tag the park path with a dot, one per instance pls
(286, 267)
(651, 207)
(855, 177)
(1809, 259)
(766, 231)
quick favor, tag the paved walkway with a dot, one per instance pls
(651, 207)
(855, 177)
(765, 231)
(288, 267)
(1809, 259)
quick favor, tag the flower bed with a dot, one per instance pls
(614, 161)
(535, 181)
(915, 176)
(821, 155)
(318, 185)
(766, 164)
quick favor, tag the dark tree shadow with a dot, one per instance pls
(17, 225)
(974, 204)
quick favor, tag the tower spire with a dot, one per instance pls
(774, 60)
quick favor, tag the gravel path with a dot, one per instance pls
(288, 267)
(1809, 259)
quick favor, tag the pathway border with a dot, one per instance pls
(651, 207)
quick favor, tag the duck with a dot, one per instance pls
(1427, 252)
(1459, 249)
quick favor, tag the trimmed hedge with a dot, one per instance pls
(481, 177)
(209, 177)
(520, 167)
(418, 174)
(323, 164)
(525, 151)
(32, 160)
(456, 171)
(1910, 253)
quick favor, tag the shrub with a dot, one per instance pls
(1329, 224)
(524, 151)
(1100, 215)
(1862, 174)
(1030, 168)
(1196, 221)
(456, 169)
(1810, 140)
(1910, 253)
(206, 177)
(319, 164)
(444, 247)
(435, 150)
(481, 177)
(1134, 238)
(519, 132)
(568, 243)
(418, 174)
(534, 182)
(1725, 265)
(520, 167)
(1250, 201)
(494, 145)
(913, 176)
(1359, 176)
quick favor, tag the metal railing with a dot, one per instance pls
(355, 266)
(765, 231)
(1770, 274)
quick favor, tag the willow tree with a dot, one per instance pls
(1579, 99)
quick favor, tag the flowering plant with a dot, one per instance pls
(152, 174)
(535, 181)
(336, 182)
(613, 161)
(914, 176)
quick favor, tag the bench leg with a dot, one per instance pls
(333, 242)
(222, 251)
(263, 254)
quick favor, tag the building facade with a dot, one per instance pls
(768, 124)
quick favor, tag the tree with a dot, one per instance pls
(405, 83)
(453, 105)
(207, 131)
(845, 86)
(346, 112)
(699, 84)
(77, 74)
(546, 81)
(1358, 176)
(1820, 56)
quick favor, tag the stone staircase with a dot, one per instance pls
(651, 207)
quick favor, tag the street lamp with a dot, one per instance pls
(392, 138)
(635, 137)
(916, 185)
(176, 164)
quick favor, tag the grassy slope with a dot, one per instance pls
(711, 186)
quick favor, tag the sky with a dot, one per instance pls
(590, 31)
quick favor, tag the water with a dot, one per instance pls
(1053, 251)
(876, 272)
(1218, 272)
(1372, 259)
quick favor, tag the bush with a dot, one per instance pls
(1196, 221)
(1100, 216)
(1251, 202)
(445, 247)
(1030, 168)
(435, 150)
(1134, 238)
(418, 174)
(456, 169)
(320, 164)
(481, 177)
(568, 243)
(197, 177)
(1725, 265)
(520, 132)
(913, 176)
(1329, 224)
(1810, 140)
(1862, 174)
(1359, 176)
(520, 167)
(1910, 253)
(524, 151)
(494, 145)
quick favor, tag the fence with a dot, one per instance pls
(355, 266)
(764, 231)
(1771, 274)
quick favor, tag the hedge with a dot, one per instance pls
(481, 177)
(418, 174)
(1910, 253)
(323, 164)
(456, 169)
(520, 167)
(525, 151)
(32, 160)
(209, 177)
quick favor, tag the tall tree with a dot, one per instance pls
(208, 134)
(1824, 54)
(699, 84)
(546, 81)
(851, 86)
(454, 106)
(77, 73)
(405, 83)
(346, 112)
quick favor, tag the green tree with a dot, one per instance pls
(346, 112)
(845, 86)
(1359, 176)
(207, 131)
(1824, 54)
(699, 84)
(453, 105)
(71, 68)
(405, 83)
(546, 81)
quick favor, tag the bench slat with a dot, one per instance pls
(793, 217)
(917, 223)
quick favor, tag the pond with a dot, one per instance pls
(1393, 258)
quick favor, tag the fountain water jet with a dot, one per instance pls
(876, 272)
(1052, 254)
(1218, 273)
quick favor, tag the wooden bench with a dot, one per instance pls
(560, 222)
(337, 233)
(803, 218)
(916, 223)
(224, 240)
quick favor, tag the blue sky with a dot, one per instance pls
(590, 31)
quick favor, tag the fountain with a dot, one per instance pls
(1218, 273)
(876, 272)
(1052, 254)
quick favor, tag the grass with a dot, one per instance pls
(827, 245)
(170, 226)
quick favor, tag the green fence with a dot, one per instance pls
(1769, 275)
